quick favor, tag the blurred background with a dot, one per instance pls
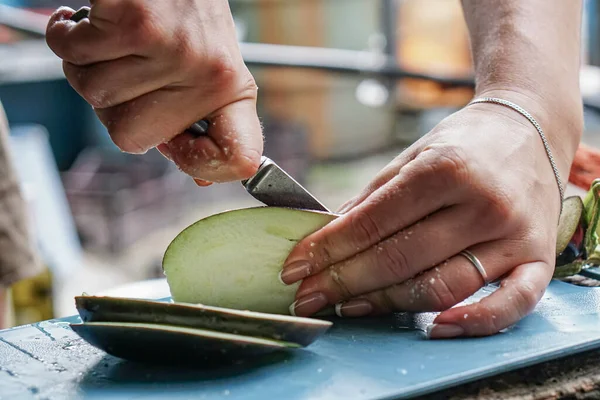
(345, 85)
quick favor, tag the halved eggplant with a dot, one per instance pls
(233, 259)
(302, 331)
(151, 343)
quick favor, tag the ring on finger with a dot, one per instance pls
(476, 263)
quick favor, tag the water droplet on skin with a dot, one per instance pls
(311, 254)
(334, 275)
(465, 316)
(195, 156)
(312, 244)
(432, 281)
(493, 317)
(379, 249)
(226, 150)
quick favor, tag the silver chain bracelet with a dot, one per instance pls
(540, 131)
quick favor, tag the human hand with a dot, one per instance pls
(481, 181)
(151, 69)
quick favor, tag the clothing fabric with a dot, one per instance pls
(18, 259)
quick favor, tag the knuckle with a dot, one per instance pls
(341, 289)
(364, 228)
(486, 322)
(526, 298)
(451, 163)
(124, 140)
(221, 70)
(246, 162)
(442, 296)
(142, 27)
(394, 260)
(92, 90)
(323, 251)
(497, 209)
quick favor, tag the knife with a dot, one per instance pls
(270, 185)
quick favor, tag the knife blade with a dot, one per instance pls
(271, 185)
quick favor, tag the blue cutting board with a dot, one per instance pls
(381, 358)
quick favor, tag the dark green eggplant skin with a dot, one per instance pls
(302, 331)
(166, 345)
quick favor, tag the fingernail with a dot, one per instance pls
(308, 305)
(202, 183)
(165, 151)
(295, 272)
(441, 331)
(354, 308)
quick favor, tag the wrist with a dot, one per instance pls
(561, 119)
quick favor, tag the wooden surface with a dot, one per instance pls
(575, 377)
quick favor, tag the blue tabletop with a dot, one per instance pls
(378, 358)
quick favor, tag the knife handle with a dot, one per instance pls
(198, 129)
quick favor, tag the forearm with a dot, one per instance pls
(531, 50)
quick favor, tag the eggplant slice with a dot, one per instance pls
(233, 259)
(302, 331)
(160, 344)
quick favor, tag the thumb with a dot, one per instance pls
(231, 150)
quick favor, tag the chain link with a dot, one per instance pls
(537, 126)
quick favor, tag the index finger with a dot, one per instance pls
(421, 187)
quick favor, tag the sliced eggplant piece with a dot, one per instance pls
(570, 241)
(151, 343)
(302, 331)
(233, 259)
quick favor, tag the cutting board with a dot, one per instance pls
(374, 358)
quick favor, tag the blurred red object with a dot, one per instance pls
(585, 167)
